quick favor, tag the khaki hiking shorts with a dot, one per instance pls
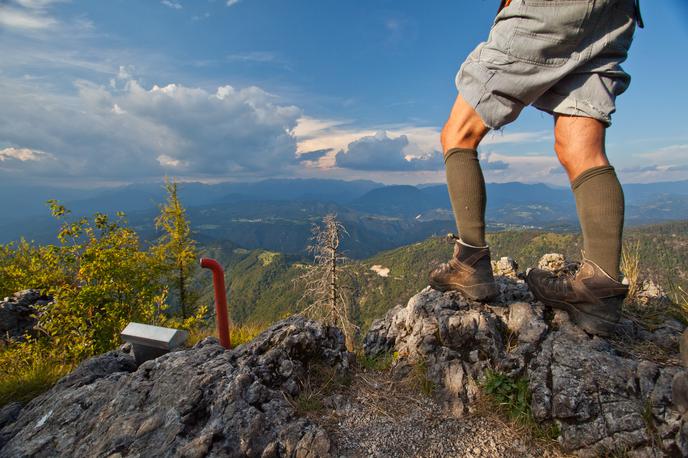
(561, 56)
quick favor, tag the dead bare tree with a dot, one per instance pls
(324, 289)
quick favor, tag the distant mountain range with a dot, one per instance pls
(277, 214)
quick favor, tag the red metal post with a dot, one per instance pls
(220, 300)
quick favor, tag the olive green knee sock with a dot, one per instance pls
(600, 206)
(467, 194)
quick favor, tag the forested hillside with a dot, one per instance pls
(262, 286)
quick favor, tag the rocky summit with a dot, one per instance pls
(602, 396)
(203, 401)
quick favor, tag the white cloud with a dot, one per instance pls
(23, 155)
(670, 153)
(383, 153)
(37, 4)
(133, 131)
(172, 4)
(334, 135)
(253, 56)
(170, 162)
(667, 163)
(22, 161)
(24, 19)
(232, 2)
(125, 72)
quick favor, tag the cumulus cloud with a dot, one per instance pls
(130, 130)
(382, 153)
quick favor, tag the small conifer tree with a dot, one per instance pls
(324, 288)
(176, 250)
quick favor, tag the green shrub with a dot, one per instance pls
(101, 278)
(511, 396)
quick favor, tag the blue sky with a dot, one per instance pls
(118, 91)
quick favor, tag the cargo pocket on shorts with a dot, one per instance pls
(621, 26)
(548, 31)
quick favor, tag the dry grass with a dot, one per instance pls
(319, 382)
(238, 335)
(23, 377)
(647, 312)
(630, 266)
(680, 300)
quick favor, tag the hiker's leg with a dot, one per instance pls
(463, 129)
(579, 144)
(460, 137)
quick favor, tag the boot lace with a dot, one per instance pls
(560, 282)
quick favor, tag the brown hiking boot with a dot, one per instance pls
(468, 271)
(592, 298)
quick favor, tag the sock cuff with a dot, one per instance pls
(591, 173)
(453, 151)
(471, 246)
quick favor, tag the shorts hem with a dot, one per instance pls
(572, 107)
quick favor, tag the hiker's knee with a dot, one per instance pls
(459, 136)
(579, 143)
(463, 129)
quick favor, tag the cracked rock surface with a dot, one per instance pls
(602, 397)
(18, 313)
(204, 401)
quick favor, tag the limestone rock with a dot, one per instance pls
(557, 263)
(203, 401)
(552, 262)
(601, 399)
(651, 293)
(506, 267)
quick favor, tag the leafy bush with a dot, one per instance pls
(101, 278)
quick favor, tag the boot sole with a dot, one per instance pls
(478, 292)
